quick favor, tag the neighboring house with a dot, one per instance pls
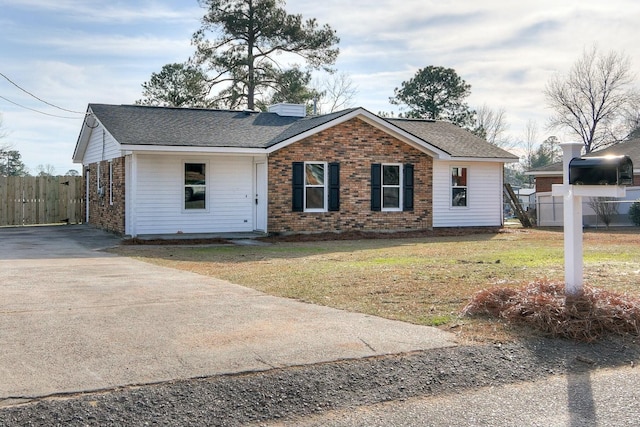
(550, 208)
(155, 170)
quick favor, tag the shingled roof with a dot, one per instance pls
(164, 126)
(450, 138)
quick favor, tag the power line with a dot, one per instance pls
(39, 99)
(40, 112)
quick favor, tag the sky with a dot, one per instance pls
(69, 53)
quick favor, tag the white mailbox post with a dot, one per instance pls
(572, 198)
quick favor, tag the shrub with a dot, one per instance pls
(634, 212)
(605, 208)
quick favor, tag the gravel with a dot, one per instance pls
(280, 394)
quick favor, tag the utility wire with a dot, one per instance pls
(39, 99)
(40, 112)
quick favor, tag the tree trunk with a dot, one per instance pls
(251, 78)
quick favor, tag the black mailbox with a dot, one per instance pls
(605, 170)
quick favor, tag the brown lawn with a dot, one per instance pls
(422, 280)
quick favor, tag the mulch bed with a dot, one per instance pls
(319, 237)
(544, 306)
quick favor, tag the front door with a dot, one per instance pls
(261, 197)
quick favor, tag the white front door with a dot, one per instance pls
(261, 197)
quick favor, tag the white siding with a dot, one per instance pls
(101, 146)
(484, 195)
(159, 195)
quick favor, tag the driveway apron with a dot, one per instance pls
(74, 318)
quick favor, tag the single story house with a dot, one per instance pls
(550, 208)
(158, 170)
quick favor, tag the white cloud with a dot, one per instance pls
(508, 55)
(117, 46)
(97, 11)
(73, 52)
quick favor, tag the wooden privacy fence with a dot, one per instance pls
(30, 200)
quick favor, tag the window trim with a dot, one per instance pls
(324, 186)
(452, 187)
(207, 172)
(399, 186)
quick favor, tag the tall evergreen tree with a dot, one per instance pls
(11, 163)
(248, 35)
(176, 85)
(291, 86)
(436, 93)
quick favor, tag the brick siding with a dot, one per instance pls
(102, 214)
(543, 183)
(355, 145)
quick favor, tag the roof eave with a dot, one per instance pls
(191, 149)
(486, 159)
(543, 173)
(89, 123)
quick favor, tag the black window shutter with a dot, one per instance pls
(408, 188)
(334, 187)
(298, 187)
(376, 187)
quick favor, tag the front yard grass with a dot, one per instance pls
(425, 281)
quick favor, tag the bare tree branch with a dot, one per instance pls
(337, 92)
(592, 99)
(492, 125)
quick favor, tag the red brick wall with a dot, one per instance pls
(543, 183)
(102, 214)
(355, 145)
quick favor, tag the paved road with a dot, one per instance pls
(73, 318)
(605, 398)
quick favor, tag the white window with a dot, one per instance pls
(459, 187)
(195, 186)
(391, 187)
(315, 187)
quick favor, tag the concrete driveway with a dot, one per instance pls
(74, 318)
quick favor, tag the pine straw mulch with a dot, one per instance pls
(544, 306)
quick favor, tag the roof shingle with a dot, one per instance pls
(165, 126)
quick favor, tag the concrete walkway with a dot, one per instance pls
(73, 318)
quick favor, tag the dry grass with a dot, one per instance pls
(544, 306)
(423, 280)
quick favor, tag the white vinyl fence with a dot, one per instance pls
(550, 210)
